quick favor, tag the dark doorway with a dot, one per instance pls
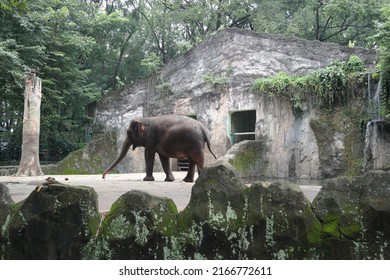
(242, 126)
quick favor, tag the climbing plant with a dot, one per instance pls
(326, 86)
(220, 78)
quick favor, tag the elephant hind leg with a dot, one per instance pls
(167, 169)
(197, 160)
(191, 172)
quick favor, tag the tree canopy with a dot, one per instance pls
(86, 49)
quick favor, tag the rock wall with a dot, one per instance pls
(377, 146)
(212, 82)
(225, 219)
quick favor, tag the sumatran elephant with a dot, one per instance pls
(169, 136)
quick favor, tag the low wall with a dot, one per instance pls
(224, 219)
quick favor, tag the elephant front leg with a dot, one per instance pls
(149, 160)
(167, 168)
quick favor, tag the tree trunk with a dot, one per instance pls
(29, 162)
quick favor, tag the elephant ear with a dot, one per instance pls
(138, 128)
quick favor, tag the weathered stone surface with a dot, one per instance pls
(247, 55)
(138, 226)
(8, 170)
(211, 223)
(290, 146)
(281, 222)
(217, 189)
(6, 204)
(354, 213)
(225, 219)
(52, 223)
(377, 146)
(247, 158)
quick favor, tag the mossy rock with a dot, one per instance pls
(216, 194)
(55, 222)
(354, 212)
(247, 158)
(285, 224)
(138, 226)
(209, 226)
(94, 158)
(6, 203)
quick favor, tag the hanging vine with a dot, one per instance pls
(326, 86)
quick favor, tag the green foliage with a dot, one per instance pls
(89, 49)
(327, 85)
(274, 84)
(13, 5)
(218, 79)
(46, 38)
(152, 63)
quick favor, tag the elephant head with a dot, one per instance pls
(135, 137)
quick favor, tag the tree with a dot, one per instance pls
(382, 38)
(29, 163)
(339, 21)
(54, 37)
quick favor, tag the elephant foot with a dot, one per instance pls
(188, 179)
(169, 178)
(149, 178)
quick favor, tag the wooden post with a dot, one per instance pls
(29, 162)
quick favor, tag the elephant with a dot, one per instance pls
(170, 136)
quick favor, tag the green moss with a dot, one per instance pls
(165, 221)
(331, 229)
(161, 218)
(352, 230)
(343, 122)
(92, 159)
(313, 228)
(245, 159)
(172, 207)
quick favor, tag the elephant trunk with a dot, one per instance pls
(125, 148)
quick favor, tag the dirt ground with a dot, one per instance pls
(114, 185)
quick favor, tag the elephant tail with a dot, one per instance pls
(208, 146)
(206, 139)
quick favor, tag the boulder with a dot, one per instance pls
(247, 158)
(225, 219)
(54, 222)
(138, 226)
(94, 158)
(211, 221)
(280, 222)
(354, 212)
(6, 204)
